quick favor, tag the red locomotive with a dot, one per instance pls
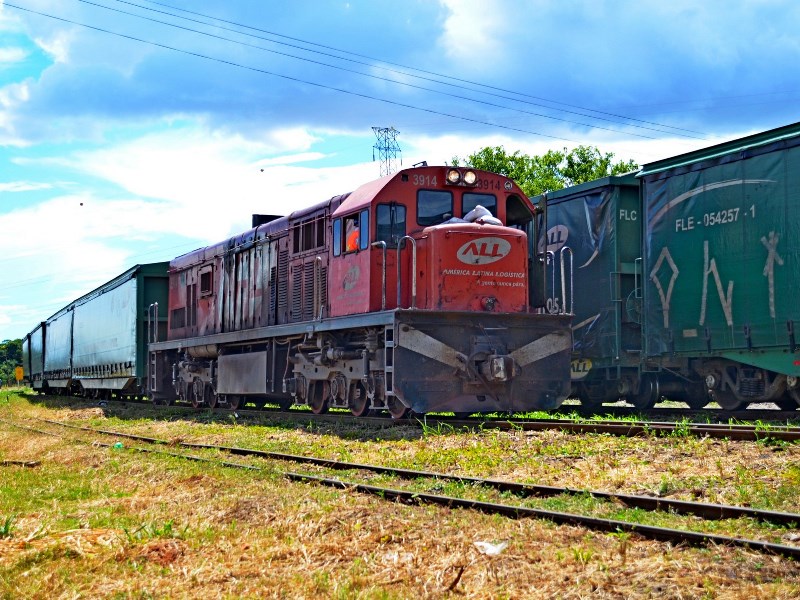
(385, 298)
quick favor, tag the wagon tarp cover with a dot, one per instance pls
(722, 251)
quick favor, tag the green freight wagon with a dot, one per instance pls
(722, 266)
(600, 223)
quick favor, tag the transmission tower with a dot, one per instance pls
(387, 148)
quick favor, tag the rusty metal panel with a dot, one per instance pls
(105, 328)
(242, 373)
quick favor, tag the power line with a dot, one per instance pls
(406, 84)
(418, 70)
(290, 78)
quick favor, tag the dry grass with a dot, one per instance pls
(94, 522)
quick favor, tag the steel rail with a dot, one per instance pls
(516, 512)
(709, 511)
(735, 432)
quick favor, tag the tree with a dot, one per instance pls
(555, 170)
(10, 358)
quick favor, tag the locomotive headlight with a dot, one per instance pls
(470, 177)
(453, 176)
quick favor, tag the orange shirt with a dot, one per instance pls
(352, 241)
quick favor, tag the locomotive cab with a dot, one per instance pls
(411, 245)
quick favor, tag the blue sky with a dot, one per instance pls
(135, 131)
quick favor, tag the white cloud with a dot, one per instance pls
(12, 55)
(58, 46)
(23, 186)
(473, 33)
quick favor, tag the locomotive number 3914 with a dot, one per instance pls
(426, 180)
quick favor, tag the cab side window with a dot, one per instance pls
(351, 231)
(391, 223)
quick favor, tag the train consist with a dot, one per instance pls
(413, 292)
(686, 275)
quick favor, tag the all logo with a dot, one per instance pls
(556, 238)
(579, 368)
(484, 251)
(351, 277)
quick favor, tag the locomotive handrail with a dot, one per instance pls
(317, 296)
(637, 265)
(382, 244)
(568, 251)
(550, 259)
(413, 270)
(152, 323)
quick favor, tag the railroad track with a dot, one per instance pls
(726, 423)
(732, 431)
(522, 490)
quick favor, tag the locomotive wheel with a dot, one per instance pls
(285, 403)
(197, 392)
(318, 397)
(234, 402)
(359, 403)
(211, 399)
(727, 400)
(396, 409)
(648, 394)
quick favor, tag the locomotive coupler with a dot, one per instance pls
(498, 368)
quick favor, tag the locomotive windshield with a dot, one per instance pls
(470, 200)
(433, 207)
(391, 223)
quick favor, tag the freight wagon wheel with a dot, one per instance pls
(786, 402)
(795, 394)
(588, 402)
(727, 400)
(694, 393)
(592, 396)
(285, 403)
(696, 402)
(318, 393)
(359, 402)
(396, 409)
(648, 395)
